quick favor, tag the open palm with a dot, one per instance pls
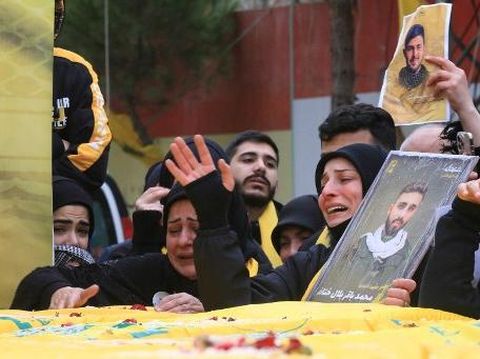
(187, 168)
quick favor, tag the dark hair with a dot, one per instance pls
(419, 187)
(361, 116)
(414, 31)
(449, 135)
(250, 136)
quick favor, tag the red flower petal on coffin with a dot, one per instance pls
(138, 307)
(267, 342)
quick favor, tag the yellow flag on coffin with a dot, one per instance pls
(262, 330)
(26, 63)
(406, 7)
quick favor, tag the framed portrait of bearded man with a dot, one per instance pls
(405, 94)
(393, 228)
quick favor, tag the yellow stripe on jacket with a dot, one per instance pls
(88, 153)
(267, 221)
(252, 267)
(323, 239)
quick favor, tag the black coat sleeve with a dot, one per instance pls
(130, 280)
(36, 289)
(447, 281)
(223, 280)
(80, 119)
(147, 232)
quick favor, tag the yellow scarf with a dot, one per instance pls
(324, 239)
(252, 267)
(267, 221)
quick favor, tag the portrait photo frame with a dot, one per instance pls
(404, 92)
(393, 227)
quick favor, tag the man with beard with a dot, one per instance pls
(388, 245)
(414, 73)
(412, 95)
(254, 161)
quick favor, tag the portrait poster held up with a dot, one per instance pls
(393, 228)
(404, 93)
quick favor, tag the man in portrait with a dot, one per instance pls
(387, 248)
(407, 93)
(414, 73)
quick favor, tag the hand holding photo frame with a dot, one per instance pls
(393, 228)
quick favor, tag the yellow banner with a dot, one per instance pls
(406, 7)
(267, 330)
(26, 42)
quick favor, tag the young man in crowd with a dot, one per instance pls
(358, 123)
(254, 161)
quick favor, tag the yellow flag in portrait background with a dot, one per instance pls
(406, 7)
(26, 58)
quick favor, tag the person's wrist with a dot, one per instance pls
(210, 199)
(467, 112)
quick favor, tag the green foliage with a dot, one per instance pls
(158, 48)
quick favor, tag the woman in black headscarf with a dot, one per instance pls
(135, 279)
(342, 179)
(131, 280)
(73, 222)
(148, 233)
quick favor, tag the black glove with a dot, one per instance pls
(211, 200)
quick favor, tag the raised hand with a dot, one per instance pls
(150, 199)
(399, 292)
(449, 81)
(209, 191)
(470, 191)
(72, 297)
(186, 168)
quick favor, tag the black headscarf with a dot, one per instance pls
(237, 215)
(367, 160)
(176, 193)
(152, 177)
(66, 191)
(302, 212)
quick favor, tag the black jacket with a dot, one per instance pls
(215, 250)
(447, 282)
(132, 280)
(220, 288)
(79, 118)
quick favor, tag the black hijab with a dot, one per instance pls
(237, 215)
(67, 191)
(367, 160)
(301, 212)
